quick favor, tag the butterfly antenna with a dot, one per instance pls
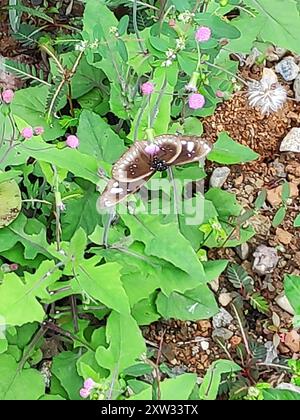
(107, 225)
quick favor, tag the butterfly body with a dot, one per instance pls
(139, 163)
(159, 165)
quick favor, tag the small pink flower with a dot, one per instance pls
(8, 96)
(219, 94)
(152, 149)
(14, 267)
(38, 131)
(203, 34)
(172, 23)
(196, 101)
(72, 141)
(89, 384)
(84, 393)
(27, 132)
(147, 88)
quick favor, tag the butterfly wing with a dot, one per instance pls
(135, 164)
(193, 149)
(117, 191)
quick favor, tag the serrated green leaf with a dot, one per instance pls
(227, 151)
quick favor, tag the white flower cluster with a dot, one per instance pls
(83, 45)
(186, 16)
(171, 54)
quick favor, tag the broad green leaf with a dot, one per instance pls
(229, 152)
(103, 284)
(81, 211)
(193, 305)
(279, 217)
(166, 242)
(64, 368)
(213, 269)
(224, 202)
(26, 384)
(30, 233)
(126, 343)
(79, 164)
(179, 388)
(145, 311)
(292, 291)
(280, 395)
(297, 221)
(97, 139)
(10, 202)
(29, 104)
(276, 22)
(19, 299)
(212, 379)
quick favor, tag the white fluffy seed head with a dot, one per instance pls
(267, 94)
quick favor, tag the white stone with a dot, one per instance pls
(204, 345)
(225, 299)
(288, 69)
(219, 177)
(243, 251)
(291, 142)
(215, 284)
(222, 319)
(297, 88)
(283, 302)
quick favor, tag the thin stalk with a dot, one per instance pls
(226, 71)
(135, 27)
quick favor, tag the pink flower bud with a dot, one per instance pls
(84, 393)
(72, 141)
(14, 267)
(203, 34)
(196, 101)
(38, 131)
(8, 96)
(152, 149)
(89, 384)
(219, 94)
(172, 23)
(147, 88)
(27, 132)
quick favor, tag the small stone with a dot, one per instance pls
(225, 299)
(288, 69)
(222, 333)
(279, 168)
(283, 302)
(292, 341)
(274, 196)
(219, 177)
(283, 236)
(249, 189)
(297, 88)
(291, 142)
(235, 340)
(243, 251)
(239, 180)
(222, 319)
(204, 345)
(215, 284)
(272, 353)
(265, 260)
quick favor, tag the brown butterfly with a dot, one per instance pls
(138, 164)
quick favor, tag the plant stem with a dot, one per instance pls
(226, 71)
(135, 26)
